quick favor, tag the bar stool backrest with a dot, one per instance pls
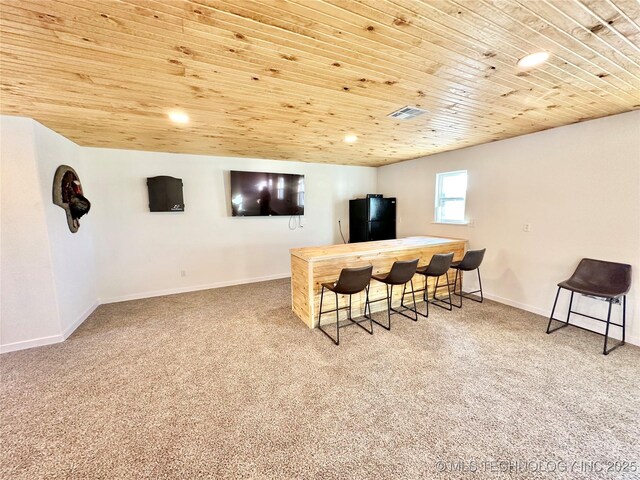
(613, 278)
(439, 264)
(353, 280)
(472, 259)
(402, 271)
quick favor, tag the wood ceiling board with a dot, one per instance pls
(287, 79)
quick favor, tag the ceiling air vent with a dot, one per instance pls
(406, 113)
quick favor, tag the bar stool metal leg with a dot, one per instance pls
(388, 299)
(468, 294)
(401, 312)
(449, 292)
(366, 304)
(570, 305)
(426, 294)
(337, 342)
(438, 302)
(623, 326)
(413, 294)
(455, 285)
(606, 331)
(555, 302)
(415, 304)
(337, 322)
(624, 316)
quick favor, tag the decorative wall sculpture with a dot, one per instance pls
(67, 194)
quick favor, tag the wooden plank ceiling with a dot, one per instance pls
(287, 79)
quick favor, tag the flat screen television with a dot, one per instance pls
(266, 194)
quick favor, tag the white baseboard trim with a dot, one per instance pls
(41, 342)
(521, 306)
(583, 322)
(71, 328)
(195, 288)
(34, 342)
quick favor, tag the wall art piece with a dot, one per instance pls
(165, 194)
(67, 194)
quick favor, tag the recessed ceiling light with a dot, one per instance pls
(458, 91)
(351, 138)
(533, 59)
(178, 117)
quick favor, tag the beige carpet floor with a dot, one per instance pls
(228, 383)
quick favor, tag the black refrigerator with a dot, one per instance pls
(372, 218)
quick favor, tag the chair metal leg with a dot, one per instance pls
(438, 302)
(413, 294)
(367, 304)
(337, 322)
(426, 294)
(624, 316)
(401, 312)
(359, 323)
(624, 321)
(389, 302)
(555, 302)
(425, 298)
(608, 321)
(455, 284)
(320, 311)
(388, 326)
(570, 305)
(320, 319)
(606, 331)
(569, 312)
(468, 295)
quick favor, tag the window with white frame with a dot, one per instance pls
(451, 194)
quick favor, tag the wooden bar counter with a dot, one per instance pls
(312, 266)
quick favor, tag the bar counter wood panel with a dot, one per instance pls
(313, 266)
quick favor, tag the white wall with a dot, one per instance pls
(49, 281)
(577, 186)
(72, 254)
(28, 305)
(141, 254)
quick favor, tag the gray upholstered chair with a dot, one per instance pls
(401, 273)
(597, 278)
(350, 282)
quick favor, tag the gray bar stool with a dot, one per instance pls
(438, 266)
(350, 282)
(401, 273)
(596, 278)
(471, 261)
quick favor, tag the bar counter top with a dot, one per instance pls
(353, 249)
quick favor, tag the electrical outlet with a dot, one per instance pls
(526, 227)
(183, 273)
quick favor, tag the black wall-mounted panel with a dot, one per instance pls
(165, 194)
